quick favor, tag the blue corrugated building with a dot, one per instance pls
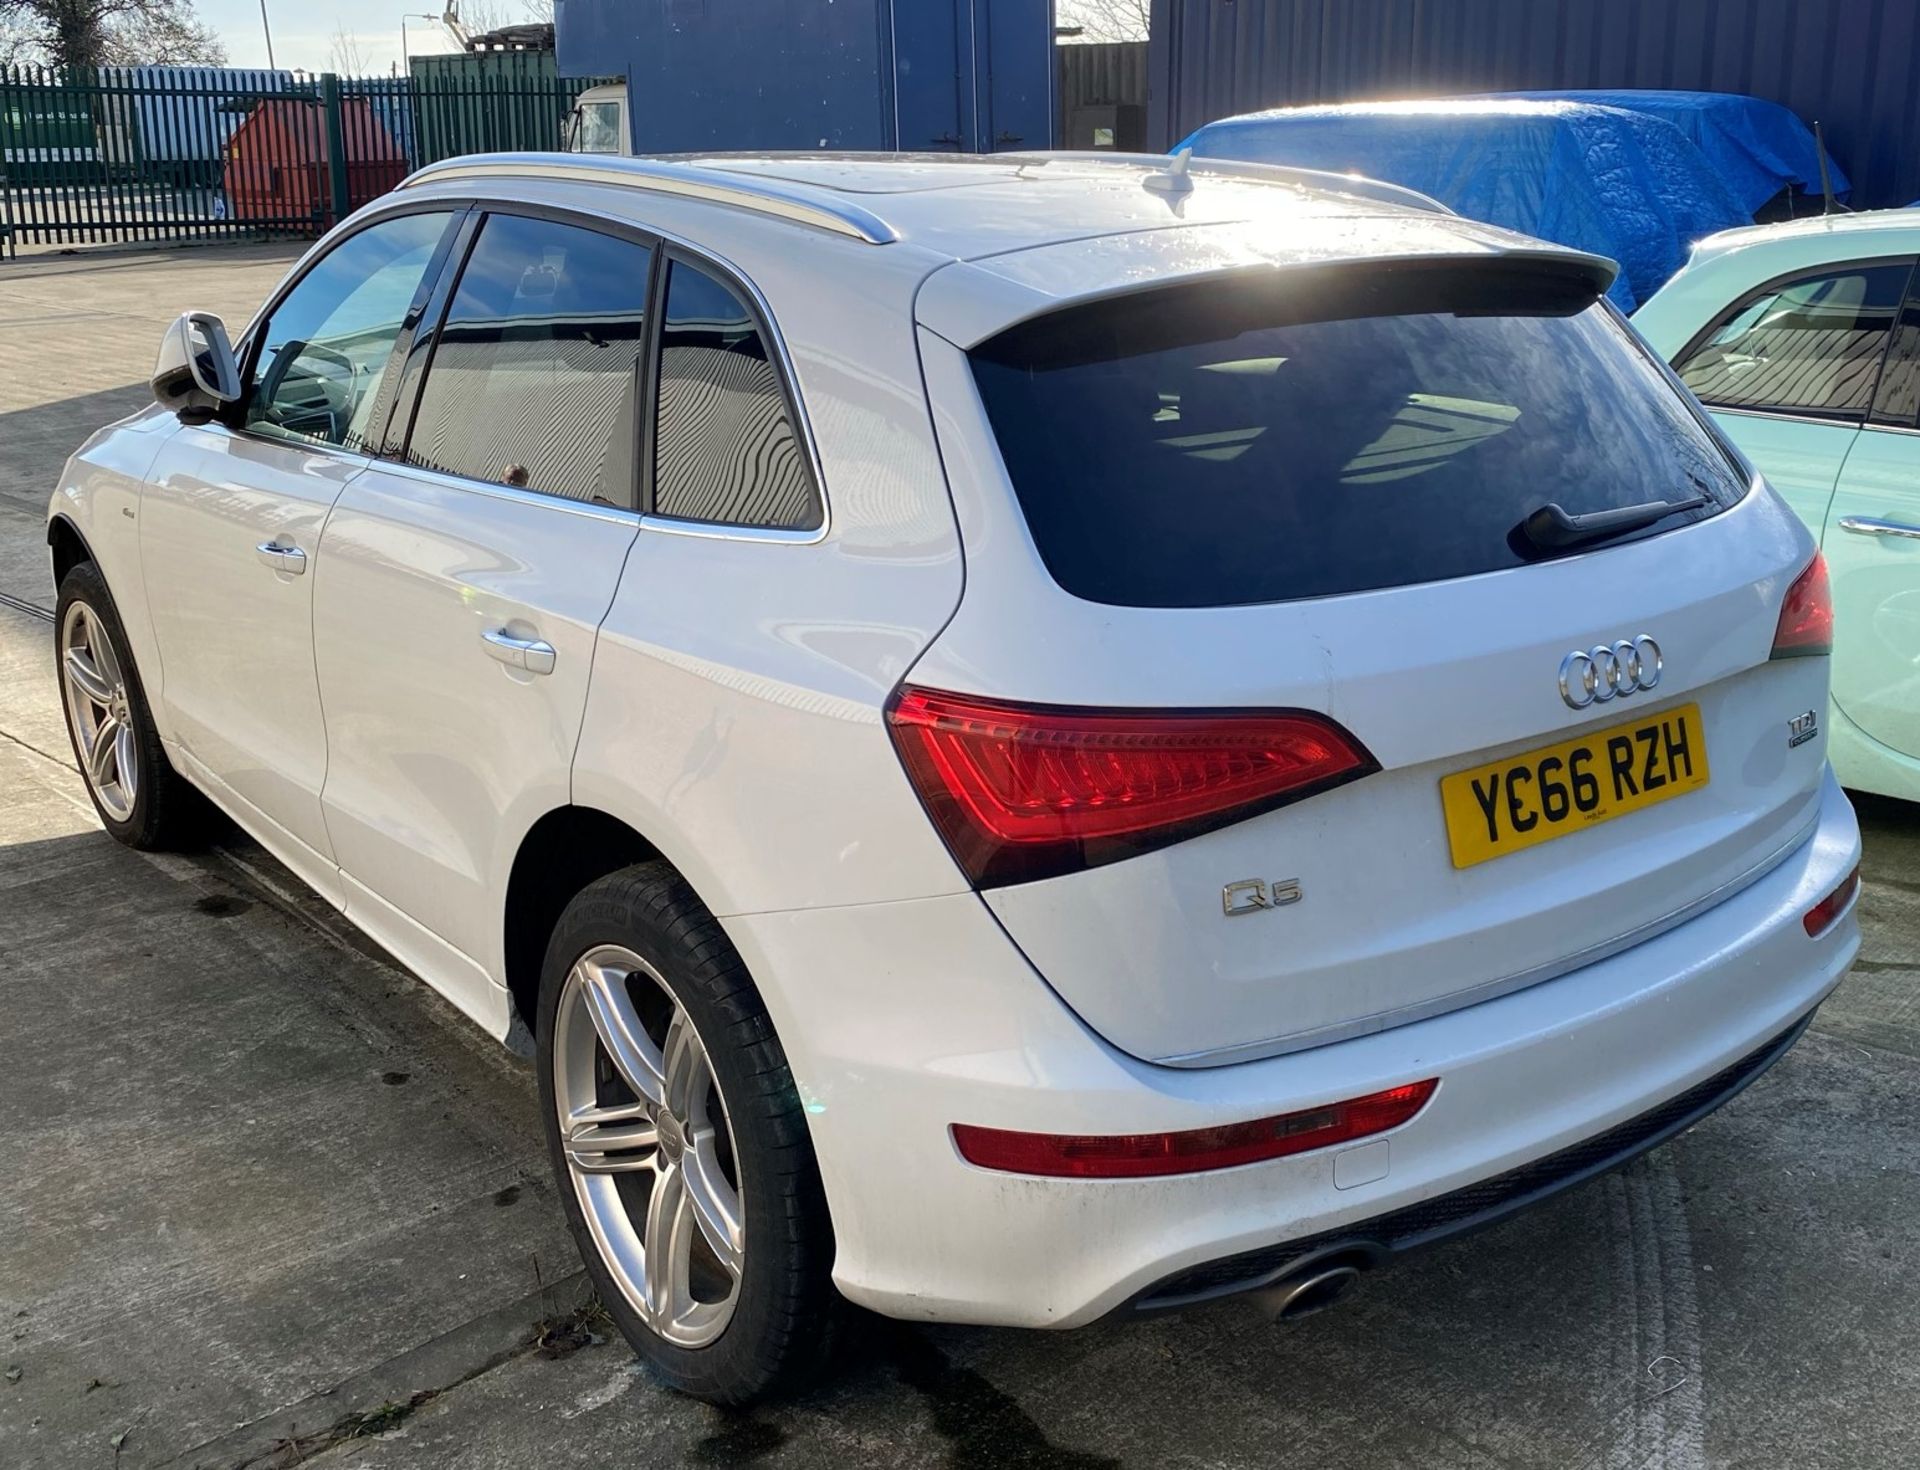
(1852, 65)
(968, 76)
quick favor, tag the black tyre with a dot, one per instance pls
(679, 1143)
(141, 799)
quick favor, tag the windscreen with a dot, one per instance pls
(1331, 431)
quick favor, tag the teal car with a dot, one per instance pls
(1803, 340)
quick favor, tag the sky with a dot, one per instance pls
(304, 30)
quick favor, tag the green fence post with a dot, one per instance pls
(9, 141)
(337, 162)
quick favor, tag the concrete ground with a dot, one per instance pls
(267, 1201)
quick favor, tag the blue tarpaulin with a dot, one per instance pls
(1757, 147)
(1617, 183)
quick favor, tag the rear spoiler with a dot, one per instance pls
(970, 302)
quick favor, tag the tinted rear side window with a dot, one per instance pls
(724, 448)
(535, 376)
(1329, 432)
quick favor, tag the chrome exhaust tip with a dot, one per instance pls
(1315, 1290)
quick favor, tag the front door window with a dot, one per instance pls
(317, 378)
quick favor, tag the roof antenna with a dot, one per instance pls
(1173, 179)
(1826, 177)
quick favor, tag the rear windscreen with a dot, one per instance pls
(1322, 432)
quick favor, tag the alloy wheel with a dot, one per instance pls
(649, 1145)
(100, 711)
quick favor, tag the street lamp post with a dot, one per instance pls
(406, 54)
(267, 26)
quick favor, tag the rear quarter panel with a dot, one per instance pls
(736, 713)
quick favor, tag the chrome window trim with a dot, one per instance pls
(1801, 418)
(709, 530)
(735, 278)
(727, 531)
(619, 515)
(1426, 1010)
(365, 459)
(1825, 421)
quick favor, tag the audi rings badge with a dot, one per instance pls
(1597, 674)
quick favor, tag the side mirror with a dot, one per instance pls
(196, 373)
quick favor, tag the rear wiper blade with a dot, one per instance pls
(1551, 528)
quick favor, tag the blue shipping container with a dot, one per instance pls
(963, 76)
(1852, 65)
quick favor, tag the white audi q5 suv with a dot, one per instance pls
(1021, 738)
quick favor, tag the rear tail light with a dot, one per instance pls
(1021, 792)
(1823, 915)
(1806, 618)
(1143, 1155)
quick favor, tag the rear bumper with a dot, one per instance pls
(901, 1019)
(1477, 1205)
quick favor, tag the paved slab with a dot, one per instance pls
(244, 1160)
(228, 1226)
(1743, 1297)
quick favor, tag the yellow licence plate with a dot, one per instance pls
(1528, 799)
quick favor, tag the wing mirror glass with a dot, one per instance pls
(196, 372)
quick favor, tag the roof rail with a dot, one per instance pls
(1256, 173)
(819, 209)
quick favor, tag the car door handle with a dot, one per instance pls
(289, 559)
(531, 654)
(1867, 526)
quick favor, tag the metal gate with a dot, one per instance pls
(169, 154)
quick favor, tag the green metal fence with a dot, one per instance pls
(488, 102)
(129, 154)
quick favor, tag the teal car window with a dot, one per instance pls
(1897, 403)
(1812, 345)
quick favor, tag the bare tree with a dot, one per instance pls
(1106, 20)
(169, 38)
(345, 55)
(81, 33)
(19, 43)
(482, 16)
